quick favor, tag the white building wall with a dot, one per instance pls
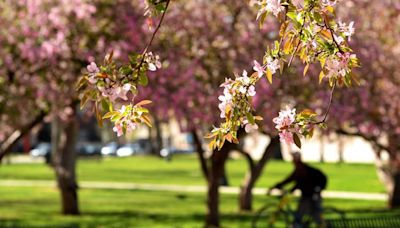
(354, 149)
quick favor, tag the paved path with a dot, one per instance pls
(181, 188)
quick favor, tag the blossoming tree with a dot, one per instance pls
(45, 47)
(308, 31)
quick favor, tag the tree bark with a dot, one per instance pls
(157, 138)
(12, 140)
(322, 148)
(64, 162)
(246, 196)
(216, 171)
(394, 195)
(218, 160)
(394, 167)
(200, 153)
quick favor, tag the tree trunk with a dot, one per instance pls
(394, 167)
(322, 148)
(341, 148)
(394, 196)
(157, 138)
(200, 153)
(223, 181)
(218, 160)
(64, 162)
(246, 196)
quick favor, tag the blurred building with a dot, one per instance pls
(327, 148)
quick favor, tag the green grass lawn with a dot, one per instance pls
(39, 207)
(184, 170)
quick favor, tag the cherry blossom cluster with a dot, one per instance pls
(339, 65)
(235, 107)
(127, 118)
(292, 125)
(270, 6)
(285, 123)
(241, 89)
(308, 31)
(110, 86)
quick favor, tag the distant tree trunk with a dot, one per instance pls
(246, 196)
(394, 196)
(340, 149)
(64, 162)
(394, 164)
(157, 138)
(218, 160)
(223, 181)
(278, 154)
(200, 153)
(322, 148)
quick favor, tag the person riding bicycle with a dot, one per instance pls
(310, 181)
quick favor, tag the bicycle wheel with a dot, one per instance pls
(269, 216)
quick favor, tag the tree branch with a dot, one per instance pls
(370, 139)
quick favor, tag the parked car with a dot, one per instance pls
(140, 146)
(128, 150)
(42, 150)
(144, 146)
(88, 149)
(169, 151)
(110, 149)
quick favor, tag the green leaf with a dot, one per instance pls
(126, 70)
(143, 80)
(269, 76)
(143, 102)
(306, 69)
(105, 104)
(250, 118)
(292, 15)
(85, 99)
(110, 114)
(321, 76)
(297, 140)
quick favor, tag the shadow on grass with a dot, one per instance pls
(125, 218)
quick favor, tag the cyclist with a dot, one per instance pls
(310, 181)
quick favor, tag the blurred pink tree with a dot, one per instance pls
(45, 47)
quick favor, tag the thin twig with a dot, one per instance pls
(152, 37)
(300, 34)
(329, 106)
(333, 36)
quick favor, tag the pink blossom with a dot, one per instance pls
(329, 2)
(131, 126)
(92, 68)
(126, 87)
(118, 129)
(348, 31)
(226, 100)
(259, 69)
(286, 137)
(285, 119)
(251, 91)
(244, 79)
(273, 6)
(272, 65)
(338, 66)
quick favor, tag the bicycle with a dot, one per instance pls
(278, 213)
